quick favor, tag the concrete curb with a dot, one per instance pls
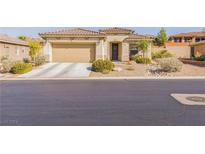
(111, 78)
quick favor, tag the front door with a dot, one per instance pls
(114, 51)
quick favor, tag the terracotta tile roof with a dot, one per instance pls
(73, 32)
(12, 40)
(189, 34)
(133, 37)
(116, 30)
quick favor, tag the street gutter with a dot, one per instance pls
(109, 78)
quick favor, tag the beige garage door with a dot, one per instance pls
(82, 53)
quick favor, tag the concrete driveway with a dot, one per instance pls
(60, 70)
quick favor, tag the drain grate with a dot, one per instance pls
(196, 99)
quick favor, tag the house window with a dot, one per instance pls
(187, 39)
(177, 40)
(198, 39)
(133, 50)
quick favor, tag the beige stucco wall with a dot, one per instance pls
(125, 51)
(199, 49)
(100, 52)
(15, 52)
(177, 51)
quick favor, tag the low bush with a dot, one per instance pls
(40, 60)
(200, 58)
(21, 68)
(142, 60)
(102, 65)
(6, 64)
(161, 54)
(170, 64)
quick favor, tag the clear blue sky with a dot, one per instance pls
(33, 31)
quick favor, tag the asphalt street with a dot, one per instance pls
(99, 103)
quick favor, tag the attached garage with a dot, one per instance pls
(80, 53)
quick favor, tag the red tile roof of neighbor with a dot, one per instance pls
(12, 40)
(189, 34)
(116, 30)
(74, 32)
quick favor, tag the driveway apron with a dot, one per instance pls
(60, 70)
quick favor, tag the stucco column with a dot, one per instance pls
(125, 51)
(103, 49)
(100, 50)
(193, 39)
(183, 39)
(47, 50)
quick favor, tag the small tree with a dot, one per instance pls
(143, 46)
(35, 47)
(22, 38)
(161, 38)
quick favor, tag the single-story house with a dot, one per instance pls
(14, 48)
(198, 48)
(82, 45)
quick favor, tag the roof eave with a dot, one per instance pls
(66, 35)
(15, 43)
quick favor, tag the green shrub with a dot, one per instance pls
(200, 58)
(40, 60)
(21, 68)
(142, 60)
(101, 65)
(161, 54)
(170, 64)
(6, 64)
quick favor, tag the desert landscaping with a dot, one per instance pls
(133, 69)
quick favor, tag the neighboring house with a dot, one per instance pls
(179, 44)
(81, 45)
(188, 37)
(14, 48)
(198, 48)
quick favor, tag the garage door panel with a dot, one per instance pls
(73, 53)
